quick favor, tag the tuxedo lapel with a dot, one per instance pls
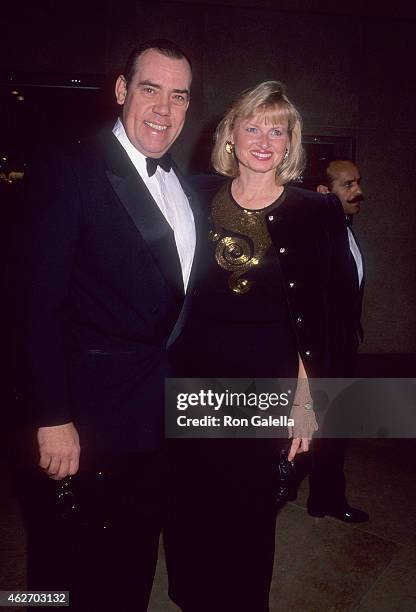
(201, 232)
(143, 211)
(151, 224)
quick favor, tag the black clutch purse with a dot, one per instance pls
(286, 476)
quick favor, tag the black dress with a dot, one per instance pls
(239, 324)
(220, 559)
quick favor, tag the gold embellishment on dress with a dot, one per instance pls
(242, 239)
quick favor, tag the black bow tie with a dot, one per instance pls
(164, 162)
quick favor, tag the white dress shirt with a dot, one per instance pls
(356, 254)
(168, 194)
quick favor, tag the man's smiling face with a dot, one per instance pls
(155, 102)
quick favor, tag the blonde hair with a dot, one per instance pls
(269, 100)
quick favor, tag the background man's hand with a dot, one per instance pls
(59, 450)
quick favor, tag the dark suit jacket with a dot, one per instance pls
(96, 289)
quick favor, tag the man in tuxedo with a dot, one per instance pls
(326, 479)
(343, 178)
(99, 271)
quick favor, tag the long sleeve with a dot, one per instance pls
(39, 281)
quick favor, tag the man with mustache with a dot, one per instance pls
(343, 178)
(99, 271)
(326, 478)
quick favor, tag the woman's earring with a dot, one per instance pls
(286, 155)
(229, 147)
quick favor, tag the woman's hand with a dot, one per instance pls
(302, 415)
(299, 445)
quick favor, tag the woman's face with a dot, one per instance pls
(259, 146)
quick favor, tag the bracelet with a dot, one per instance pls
(306, 405)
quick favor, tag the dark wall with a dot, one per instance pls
(351, 74)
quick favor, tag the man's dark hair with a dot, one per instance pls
(162, 45)
(328, 177)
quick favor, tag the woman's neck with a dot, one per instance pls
(256, 191)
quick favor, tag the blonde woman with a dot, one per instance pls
(270, 302)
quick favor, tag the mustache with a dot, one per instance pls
(358, 198)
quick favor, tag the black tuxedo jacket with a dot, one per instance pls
(96, 292)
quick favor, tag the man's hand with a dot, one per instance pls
(59, 450)
(299, 445)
